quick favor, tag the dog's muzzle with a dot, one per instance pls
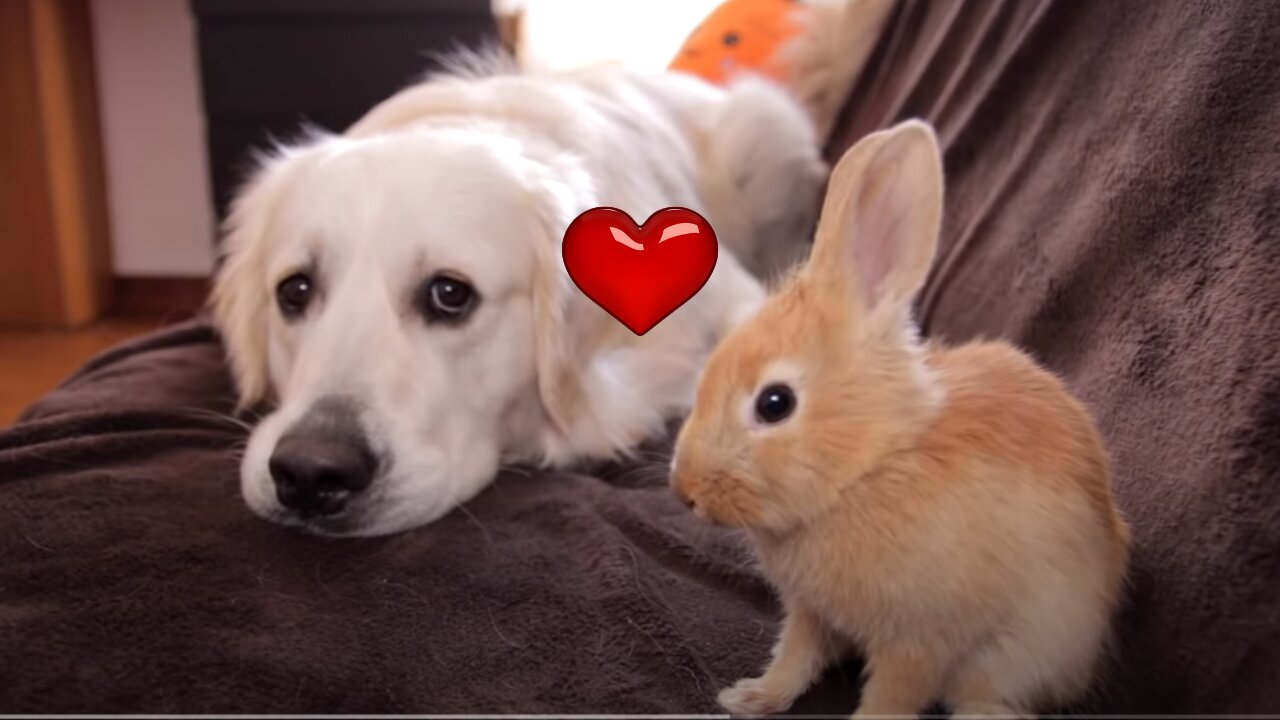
(323, 461)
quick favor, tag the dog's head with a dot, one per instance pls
(398, 302)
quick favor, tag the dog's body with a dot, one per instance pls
(423, 329)
(644, 142)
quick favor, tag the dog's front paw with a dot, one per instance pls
(752, 697)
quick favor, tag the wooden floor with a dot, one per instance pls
(34, 362)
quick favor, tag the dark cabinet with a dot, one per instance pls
(269, 66)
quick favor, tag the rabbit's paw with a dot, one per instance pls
(752, 697)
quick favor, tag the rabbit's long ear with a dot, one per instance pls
(881, 218)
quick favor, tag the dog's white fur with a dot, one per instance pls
(478, 171)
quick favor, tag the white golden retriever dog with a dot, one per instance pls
(396, 293)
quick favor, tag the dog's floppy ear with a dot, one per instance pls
(557, 195)
(241, 296)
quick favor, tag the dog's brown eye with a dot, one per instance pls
(775, 403)
(293, 294)
(448, 299)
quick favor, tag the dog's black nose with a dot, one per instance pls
(321, 462)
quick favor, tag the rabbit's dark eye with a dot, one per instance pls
(775, 403)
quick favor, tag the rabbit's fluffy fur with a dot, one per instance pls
(945, 511)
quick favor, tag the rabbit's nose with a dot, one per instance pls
(684, 496)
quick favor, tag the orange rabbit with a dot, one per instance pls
(947, 511)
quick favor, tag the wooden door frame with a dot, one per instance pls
(55, 253)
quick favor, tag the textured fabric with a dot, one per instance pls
(134, 579)
(1113, 199)
(1112, 178)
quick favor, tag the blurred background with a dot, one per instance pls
(125, 126)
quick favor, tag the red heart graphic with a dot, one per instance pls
(640, 275)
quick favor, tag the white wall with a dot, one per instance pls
(158, 193)
(640, 34)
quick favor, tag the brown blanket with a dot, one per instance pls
(1114, 182)
(1114, 194)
